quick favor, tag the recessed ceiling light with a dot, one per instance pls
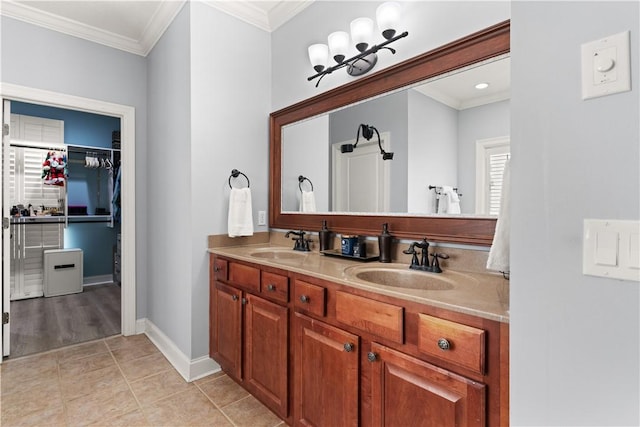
(481, 86)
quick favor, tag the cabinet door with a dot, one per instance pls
(226, 326)
(326, 374)
(437, 397)
(266, 352)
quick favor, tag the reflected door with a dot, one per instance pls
(360, 179)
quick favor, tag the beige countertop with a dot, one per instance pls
(484, 295)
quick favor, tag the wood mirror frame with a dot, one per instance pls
(477, 47)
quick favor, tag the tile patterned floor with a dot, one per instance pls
(120, 381)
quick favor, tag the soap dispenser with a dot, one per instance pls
(324, 237)
(384, 244)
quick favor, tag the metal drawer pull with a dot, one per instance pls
(234, 297)
(371, 356)
(444, 344)
(62, 266)
(304, 298)
(271, 287)
(348, 347)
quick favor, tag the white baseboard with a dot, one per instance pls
(97, 280)
(189, 369)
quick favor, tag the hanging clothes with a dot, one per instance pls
(54, 168)
(115, 201)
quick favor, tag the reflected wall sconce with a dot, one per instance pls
(367, 133)
(388, 18)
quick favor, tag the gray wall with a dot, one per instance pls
(39, 58)
(230, 96)
(574, 338)
(433, 150)
(169, 182)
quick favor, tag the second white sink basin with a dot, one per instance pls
(401, 277)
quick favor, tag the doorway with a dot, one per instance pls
(126, 115)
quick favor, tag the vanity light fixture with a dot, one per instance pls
(388, 18)
(367, 133)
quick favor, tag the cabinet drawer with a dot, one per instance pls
(244, 276)
(379, 318)
(275, 286)
(456, 343)
(310, 298)
(220, 269)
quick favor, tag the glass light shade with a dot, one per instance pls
(339, 45)
(319, 55)
(362, 33)
(388, 17)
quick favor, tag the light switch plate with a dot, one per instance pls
(606, 66)
(611, 248)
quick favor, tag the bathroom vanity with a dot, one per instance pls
(328, 342)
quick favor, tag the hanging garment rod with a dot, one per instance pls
(37, 145)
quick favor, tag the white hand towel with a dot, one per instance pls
(453, 201)
(307, 202)
(240, 221)
(499, 252)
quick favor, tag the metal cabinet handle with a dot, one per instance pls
(348, 347)
(371, 356)
(304, 298)
(234, 297)
(271, 287)
(244, 301)
(216, 268)
(444, 344)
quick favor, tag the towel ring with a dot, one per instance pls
(234, 174)
(301, 179)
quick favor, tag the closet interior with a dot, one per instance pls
(64, 186)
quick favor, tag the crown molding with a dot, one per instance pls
(247, 12)
(152, 33)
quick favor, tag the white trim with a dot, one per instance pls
(482, 145)
(159, 22)
(97, 280)
(127, 131)
(258, 16)
(190, 370)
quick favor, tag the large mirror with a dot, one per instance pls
(435, 136)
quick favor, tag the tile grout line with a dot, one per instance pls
(216, 405)
(140, 408)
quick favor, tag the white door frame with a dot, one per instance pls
(128, 225)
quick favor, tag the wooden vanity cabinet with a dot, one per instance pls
(355, 358)
(249, 335)
(407, 391)
(326, 374)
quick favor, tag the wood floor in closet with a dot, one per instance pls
(41, 324)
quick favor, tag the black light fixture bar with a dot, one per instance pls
(361, 56)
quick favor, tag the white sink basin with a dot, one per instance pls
(278, 254)
(400, 277)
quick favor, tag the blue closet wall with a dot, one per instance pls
(96, 240)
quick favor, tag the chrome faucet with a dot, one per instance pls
(423, 264)
(301, 244)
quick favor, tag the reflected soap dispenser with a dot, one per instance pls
(384, 244)
(325, 237)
